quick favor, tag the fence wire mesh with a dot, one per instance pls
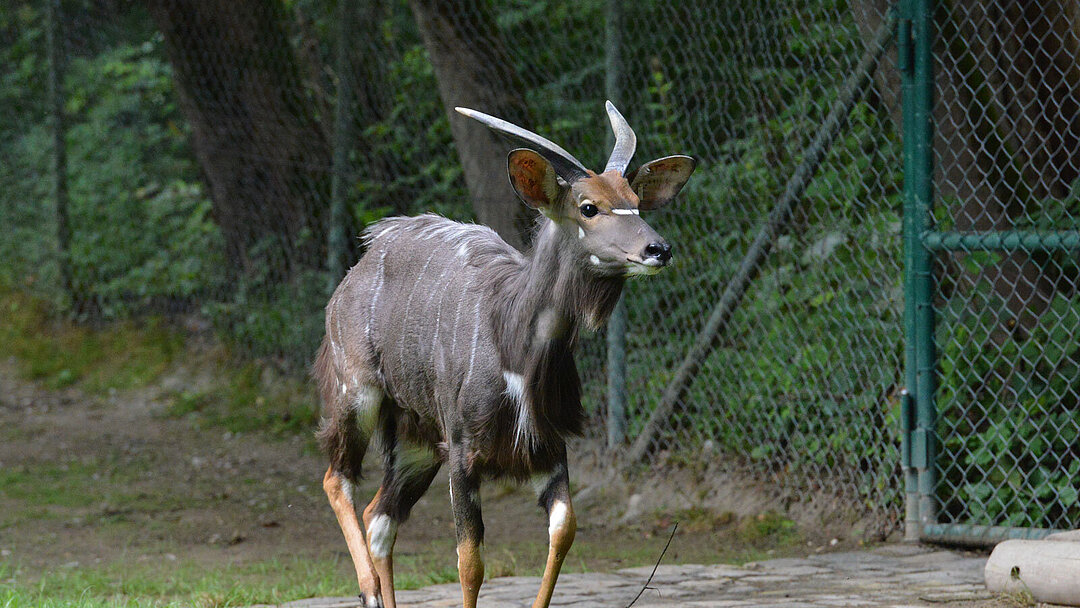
(200, 145)
(1007, 160)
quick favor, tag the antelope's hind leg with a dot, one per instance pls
(469, 524)
(407, 474)
(554, 497)
(344, 437)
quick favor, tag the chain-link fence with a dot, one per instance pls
(1007, 307)
(219, 157)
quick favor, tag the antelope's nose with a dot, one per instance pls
(659, 251)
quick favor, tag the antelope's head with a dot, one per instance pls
(601, 212)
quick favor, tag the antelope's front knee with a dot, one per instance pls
(562, 526)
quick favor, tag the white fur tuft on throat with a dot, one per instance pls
(515, 390)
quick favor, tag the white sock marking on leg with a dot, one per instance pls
(557, 518)
(381, 535)
(346, 488)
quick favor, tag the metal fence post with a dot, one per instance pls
(616, 328)
(916, 65)
(337, 244)
(55, 43)
(904, 62)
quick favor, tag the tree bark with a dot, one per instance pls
(477, 75)
(259, 144)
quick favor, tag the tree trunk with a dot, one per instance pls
(261, 149)
(474, 70)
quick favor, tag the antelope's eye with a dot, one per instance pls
(588, 209)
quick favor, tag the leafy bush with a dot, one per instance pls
(1010, 410)
(142, 235)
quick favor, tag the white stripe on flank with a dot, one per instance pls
(381, 535)
(376, 289)
(441, 290)
(475, 337)
(457, 319)
(408, 305)
(626, 211)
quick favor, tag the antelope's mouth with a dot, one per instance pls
(638, 266)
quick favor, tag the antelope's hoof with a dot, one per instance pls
(374, 601)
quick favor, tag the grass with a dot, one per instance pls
(175, 583)
(97, 492)
(244, 402)
(138, 582)
(122, 355)
(186, 583)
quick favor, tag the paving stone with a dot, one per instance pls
(892, 576)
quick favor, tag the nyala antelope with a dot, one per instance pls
(450, 346)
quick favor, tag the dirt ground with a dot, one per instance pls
(109, 480)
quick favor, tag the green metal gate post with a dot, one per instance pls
(925, 437)
(921, 243)
(916, 65)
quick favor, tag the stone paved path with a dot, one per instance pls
(896, 576)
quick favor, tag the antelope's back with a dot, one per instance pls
(416, 309)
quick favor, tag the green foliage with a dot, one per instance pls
(1011, 416)
(129, 354)
(142, 235)
(768, 527)
(143, 231)
(428, 175)
(275, 320)
(251, 398)
(803, 381)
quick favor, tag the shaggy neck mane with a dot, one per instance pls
(538, 304)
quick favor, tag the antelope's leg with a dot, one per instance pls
(404, 481)
(468, 521)
(339, 491)
(554, 497)
(381, 534)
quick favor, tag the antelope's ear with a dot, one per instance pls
(658, 181)
(533, 178)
